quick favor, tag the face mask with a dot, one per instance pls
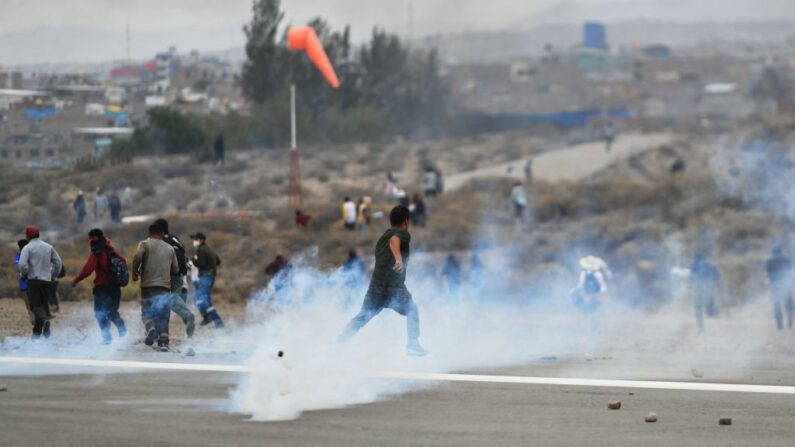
(196, 244)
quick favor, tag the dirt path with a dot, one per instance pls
(572, 163)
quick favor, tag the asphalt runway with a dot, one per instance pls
(193, 408)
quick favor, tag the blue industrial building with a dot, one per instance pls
(594, 36)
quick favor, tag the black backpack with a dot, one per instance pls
(118, 273)
(182, 258)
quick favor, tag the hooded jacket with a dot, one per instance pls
(98, 263)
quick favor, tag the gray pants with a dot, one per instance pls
(782, 298)
(376, 300)
(179, 300)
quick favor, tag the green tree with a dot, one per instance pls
(169, 131)
(263, 75)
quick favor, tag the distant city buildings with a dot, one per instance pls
(651, 83)
(58, 119)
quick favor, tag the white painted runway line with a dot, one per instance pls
(125, 364)
(607, 383)
(419, 376)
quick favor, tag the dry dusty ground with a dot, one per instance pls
(79, 316)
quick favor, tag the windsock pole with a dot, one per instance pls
(296, 201)
(292, 116)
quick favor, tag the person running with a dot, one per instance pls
(79, 206)
(609, 135)
(388, 284)
(704, 284)
(107, 292)
(528, 171)
(179, 281)
(419, 215)
(279, 270)
(114, 205)
(519, 198)
(127, 197)
(22, 282)
(591, 287)
(451, 271)
(220, 150)
(100, 205)
(364, 214)
(429, 182)
(39, 264)
(349, 214)
(302, 219)
(779, 275)
(207, 262)
(352, 275)
(154, 264)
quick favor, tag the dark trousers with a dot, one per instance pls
(155, 311)
(179, 300)
(39, 298)
(106, 310)
(398, 299)
(54, 295)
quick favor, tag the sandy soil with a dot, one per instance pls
(77, 318)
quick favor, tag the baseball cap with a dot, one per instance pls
(31, 231)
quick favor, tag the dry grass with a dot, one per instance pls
(627, 214)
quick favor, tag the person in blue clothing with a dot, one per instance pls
(79, 205)
(23, 283)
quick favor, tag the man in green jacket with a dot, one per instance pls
(207, 262)
(388, 284)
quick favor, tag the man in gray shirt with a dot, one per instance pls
(154, 264)
(40, 264)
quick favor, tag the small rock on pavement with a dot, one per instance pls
(614, 405)
(651, 417)
(725, 421)
(3, 387)
(190, 352)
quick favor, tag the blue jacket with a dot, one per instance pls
(23, 283)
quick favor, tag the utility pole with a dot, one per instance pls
(409, 21)
(127, 40)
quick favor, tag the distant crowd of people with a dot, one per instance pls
(704, 285)
(105, 205)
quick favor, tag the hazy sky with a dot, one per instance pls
(216, 24)
(150, 15)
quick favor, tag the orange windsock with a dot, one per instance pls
(305, 38)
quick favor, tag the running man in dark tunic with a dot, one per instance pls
(388, 284)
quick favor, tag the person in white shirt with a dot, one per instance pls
(40, 265)
(591, 287)
(349, 214)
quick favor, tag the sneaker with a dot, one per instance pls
(162, 348)
(151, 336)
(415, 350)
(106, 341)
(46, 330)
(207, 320)
(219, 324)
(189, 329)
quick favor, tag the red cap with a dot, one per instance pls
(31, 231)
